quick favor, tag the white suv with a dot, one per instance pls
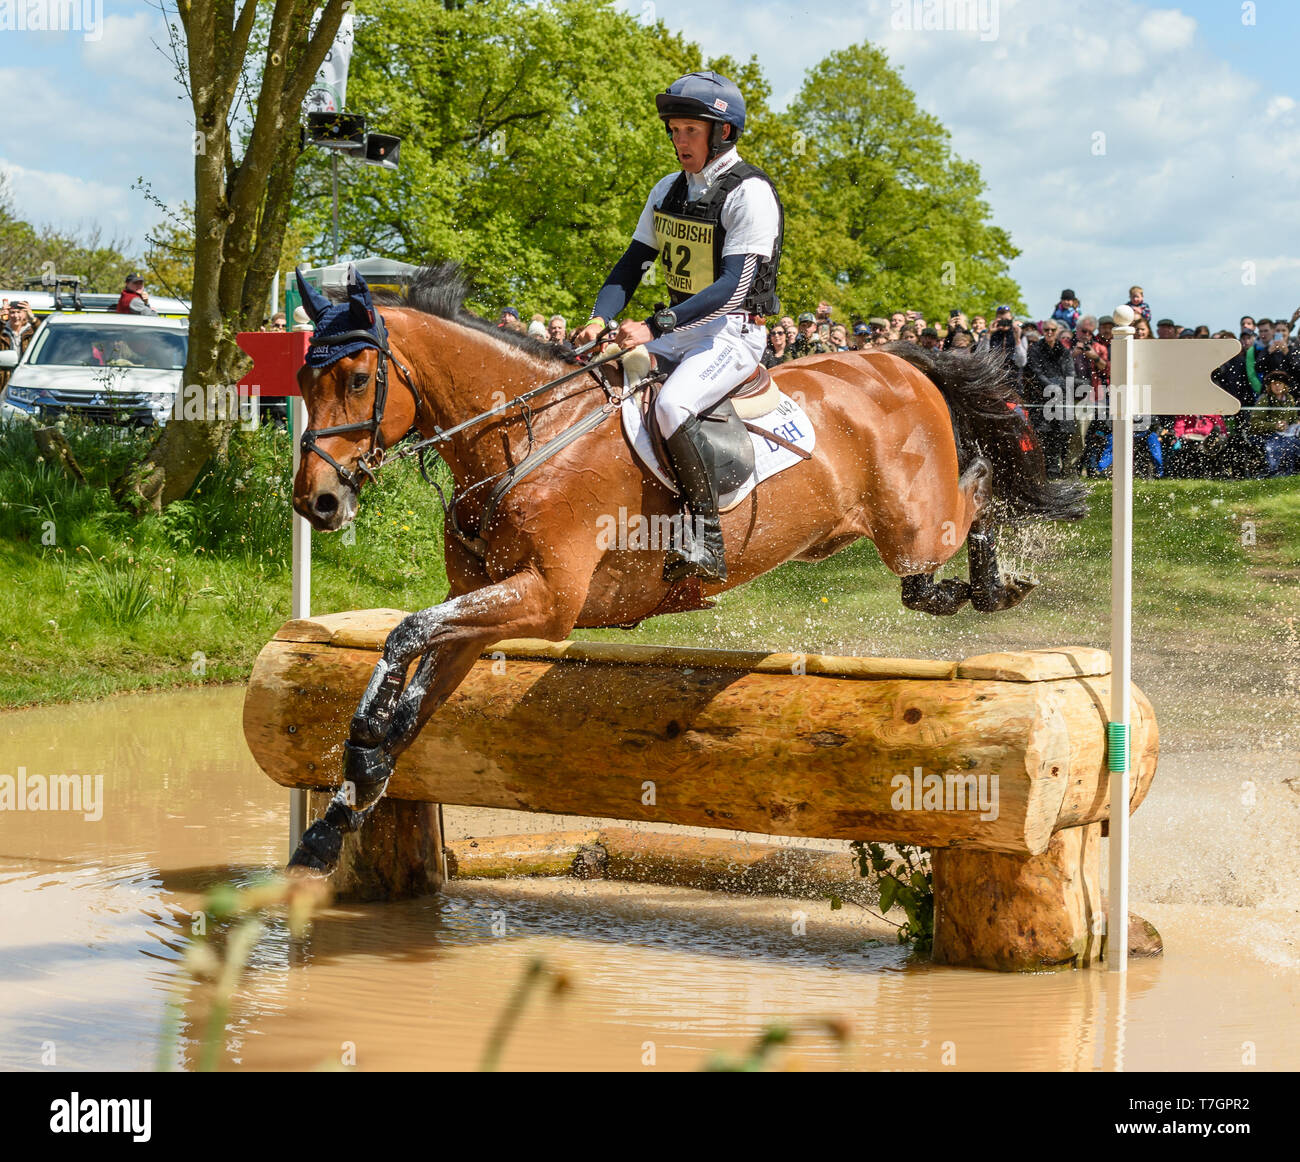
(105, 367)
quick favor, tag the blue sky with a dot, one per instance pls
(1194, 195)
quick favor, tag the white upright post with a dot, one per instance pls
(1122, 391)
(300, 600)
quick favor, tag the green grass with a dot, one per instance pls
(118, 604)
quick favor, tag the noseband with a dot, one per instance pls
(373, 457)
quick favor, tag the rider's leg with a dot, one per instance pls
(701, 380)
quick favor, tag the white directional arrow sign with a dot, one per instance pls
(1148, 377)
(1172, 376)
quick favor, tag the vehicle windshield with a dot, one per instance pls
(93, 345)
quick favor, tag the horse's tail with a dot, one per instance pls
(988, 419)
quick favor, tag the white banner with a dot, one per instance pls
(330, 91)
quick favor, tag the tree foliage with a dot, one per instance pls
(882, 213)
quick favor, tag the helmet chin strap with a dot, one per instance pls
(717, 143)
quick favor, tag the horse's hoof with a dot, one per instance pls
(941, 600)
(1012, 589)
(319, 848)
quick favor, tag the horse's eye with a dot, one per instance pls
(359, 381)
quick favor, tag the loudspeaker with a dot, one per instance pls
(382, 149)
(346, 131)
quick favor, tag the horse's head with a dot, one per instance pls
(352, 415)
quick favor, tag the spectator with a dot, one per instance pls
(961, 341)
(1276, 431)
(1240, 377)
(778, 349)
(824, 323)
(1137, 300)
(839, 338)
(277, 322)
(1203, 332)
(1278, 356)
(133, 300)
(1165, 329)
(1003, 339)
(979, 327)
(1141, 329)
(896, 322)
(510, 320)
(19, 328)
(862, 336)
(1049, 376)
(907, 334)
(1067, 310)
(1091, 368)
(537, 329)
(787, 324)
(558, 329)
(809, 340)
(929, 339)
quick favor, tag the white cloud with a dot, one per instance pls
(42, 196)
(126, 47)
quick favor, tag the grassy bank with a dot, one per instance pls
(93, 601)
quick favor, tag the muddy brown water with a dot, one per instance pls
(95, 914)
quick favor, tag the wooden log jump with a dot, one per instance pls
(997, 763)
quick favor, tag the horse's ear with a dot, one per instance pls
(363, 306)
(313, 302)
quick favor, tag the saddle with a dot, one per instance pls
(730, 451)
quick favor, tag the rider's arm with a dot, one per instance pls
(721, 298)
(623, 280)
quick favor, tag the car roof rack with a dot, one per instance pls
(56, 284)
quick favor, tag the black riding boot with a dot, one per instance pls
(697, 550)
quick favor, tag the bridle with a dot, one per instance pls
(373, 457)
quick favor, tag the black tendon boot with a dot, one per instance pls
(697, 549)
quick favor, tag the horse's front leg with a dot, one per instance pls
(448, 638)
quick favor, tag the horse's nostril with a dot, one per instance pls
(326, 504)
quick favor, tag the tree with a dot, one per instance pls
(246, 77)
(881, 213)
(529, 142)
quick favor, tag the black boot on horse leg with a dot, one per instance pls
(697, 551)
(923, 593)
(990, 589)
(379, 732)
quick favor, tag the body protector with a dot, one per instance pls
(690, 238)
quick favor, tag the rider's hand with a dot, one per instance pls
(589, 333)
(632, 333)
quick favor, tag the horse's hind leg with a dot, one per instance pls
(941, 598)
(991, 589)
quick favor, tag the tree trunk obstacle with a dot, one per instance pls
(996, 763)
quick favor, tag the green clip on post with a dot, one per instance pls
(1117, 746)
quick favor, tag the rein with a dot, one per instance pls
(376, 456)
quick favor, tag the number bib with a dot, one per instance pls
(686, 249)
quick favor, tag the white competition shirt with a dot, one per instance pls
(750, 215)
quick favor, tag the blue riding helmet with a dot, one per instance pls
(705, 96)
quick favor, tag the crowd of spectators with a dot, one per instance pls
(1062, 367)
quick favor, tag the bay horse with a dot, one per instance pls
(919, 451)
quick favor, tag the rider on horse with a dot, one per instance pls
(717, 226)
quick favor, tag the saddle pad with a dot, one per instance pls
(787, 420)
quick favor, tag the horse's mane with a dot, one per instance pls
(441, 290)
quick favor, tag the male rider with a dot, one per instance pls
(717, 229)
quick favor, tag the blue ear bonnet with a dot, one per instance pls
(357, 313)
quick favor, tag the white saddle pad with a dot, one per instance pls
(788, 420)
